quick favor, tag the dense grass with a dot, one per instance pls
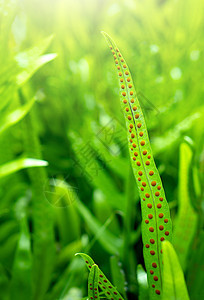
(66, 182)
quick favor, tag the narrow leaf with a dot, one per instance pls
(19, 164)
(186, 222)
(143, 284)
(93, 283)
(15, 116)
(174, 286)
(156, 222)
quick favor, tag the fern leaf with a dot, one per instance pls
(93, 283)
(105, 285)
(156, 222)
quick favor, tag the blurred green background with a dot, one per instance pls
(59, 104)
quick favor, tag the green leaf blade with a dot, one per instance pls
(93, 283)
(174, 286)
(156, 222)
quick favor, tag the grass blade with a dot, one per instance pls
(156, 223)
(19, 164)
(15, 116)
(174, 286)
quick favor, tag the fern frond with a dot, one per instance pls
(156, 222)
(105, 285)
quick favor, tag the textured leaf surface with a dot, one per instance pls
(174, 286)
(93, 283)
(156, 223)
(186, 222)
(109, 290)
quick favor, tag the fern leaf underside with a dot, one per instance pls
(105, 285)
(156, 222)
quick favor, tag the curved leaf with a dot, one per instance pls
(108, 289)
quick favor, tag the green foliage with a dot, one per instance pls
(64, 162)
(156, 223)
(174, 286)
(21, 284)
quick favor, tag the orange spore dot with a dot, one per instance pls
(149, 205)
